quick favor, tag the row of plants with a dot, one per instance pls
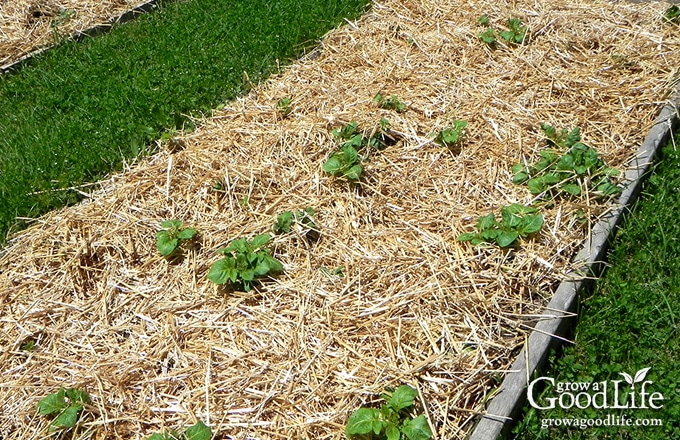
(514, 31)
(65, 407)
(394, 420)
(566, 168)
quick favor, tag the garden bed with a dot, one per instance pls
(157, 345)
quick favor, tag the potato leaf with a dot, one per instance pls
(363, 421)
(53, 403)
(199, 431)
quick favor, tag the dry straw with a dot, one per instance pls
(29, 25)
(158, 346)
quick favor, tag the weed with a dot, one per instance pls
(451, 136)
(517, 221)
(391, 421)
(287, 219)
(170, 238)
(64, 406)
(570, 172)
(199, 431)
(672, 14)
(483, 21)
(283, 106)
(391, 103)
(243, 262)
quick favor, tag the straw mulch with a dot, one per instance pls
(29, 25)
(158, 346)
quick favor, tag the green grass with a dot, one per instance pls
(73, 114)
(630, 321)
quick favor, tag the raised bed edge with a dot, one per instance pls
(559, 315)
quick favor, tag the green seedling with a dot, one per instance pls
(337, 272)
(199, 431)
(64, 406)
(345, 163)
(569, 172)
(515, 33)
(287, 219)
(244, 261)
(517, 221)
(450, 137)
(672, 14)
(170, 238)
(283, 106)
(488, 36)
(380, 139)
(64, 16)
(392, 421)
(391, 103)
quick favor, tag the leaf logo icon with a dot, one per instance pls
(639, 377)
(628, 378)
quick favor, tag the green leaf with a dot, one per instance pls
(506, 238)
(187, 234)
(402, 398)
(483, 20)
(571, 188)
(274, 264)
(260, 241)
(199, 431)
(172, 224)
(354, 173)
(488, 36)
(466, 236)
(532, 223)
(165, 243)
(284, 221)
(506, 36)
(68, 418)
(247, 275)
(238, 245)
(52, 403)
(536, 186)
(220, 273)
(490, 234)
(77, 396)
(158, 437)
(262, 268)
(520, 177)
(350, 155)
(333, 165)
(486, 222)
(392, 432)
(362, 421)
(417, 429)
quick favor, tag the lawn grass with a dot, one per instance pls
(629, 322)
(76, 112)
